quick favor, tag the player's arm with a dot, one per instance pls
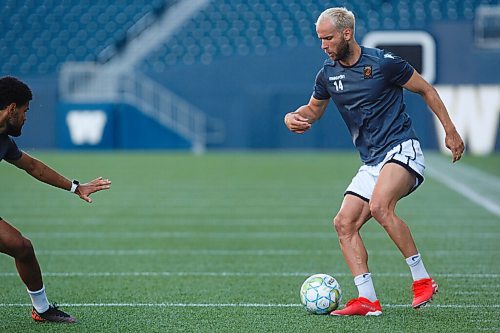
(44, 173)
(301, 119)
(453, 141)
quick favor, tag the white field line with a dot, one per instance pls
(477, 186)
(471, 292)
(467, 286)
(270, 252)
(180, 220)
(237, 305)
(247, 235)
(241, 274)
(220, 221)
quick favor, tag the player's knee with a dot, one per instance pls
(379, 211)
(21, 248)
(382, 213)
(343, 225)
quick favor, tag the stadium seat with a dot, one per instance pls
(40, 35)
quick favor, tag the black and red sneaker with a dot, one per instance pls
(52, 315)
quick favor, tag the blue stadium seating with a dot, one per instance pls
(240, 27)
(38, 35)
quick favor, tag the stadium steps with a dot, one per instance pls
(117, 81)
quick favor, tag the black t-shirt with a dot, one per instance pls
(8, 148)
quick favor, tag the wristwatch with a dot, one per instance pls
(74, 185)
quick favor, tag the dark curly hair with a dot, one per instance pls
(13, 90)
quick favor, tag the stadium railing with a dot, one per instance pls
(89, 83)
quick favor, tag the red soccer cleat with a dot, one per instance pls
(53, 314)
(423, 290)
(359, 307)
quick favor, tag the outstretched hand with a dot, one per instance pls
(98, 184)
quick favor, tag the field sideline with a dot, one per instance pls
(222, 242)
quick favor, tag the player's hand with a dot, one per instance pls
(455, 144)
(98, 184)
(296, 123)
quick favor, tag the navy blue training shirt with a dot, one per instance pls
(369, 97)
(8, 148)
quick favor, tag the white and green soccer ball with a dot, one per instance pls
(320, 294)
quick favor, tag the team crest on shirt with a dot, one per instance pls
(367, 72)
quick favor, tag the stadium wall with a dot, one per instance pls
(111, 126)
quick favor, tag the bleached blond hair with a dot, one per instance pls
(340, 17)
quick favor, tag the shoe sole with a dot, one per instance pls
(372, 313)
(424, 303)
(37, 319)
(54, 321)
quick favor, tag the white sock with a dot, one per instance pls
(417, 267)
(39, 300)
(365, 287)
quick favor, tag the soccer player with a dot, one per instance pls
(14, 103)
(366, 85)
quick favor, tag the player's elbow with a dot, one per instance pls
(428, 92)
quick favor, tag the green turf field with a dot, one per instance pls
(222, 243)
(490, 164)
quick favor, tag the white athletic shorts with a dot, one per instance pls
(407, 154)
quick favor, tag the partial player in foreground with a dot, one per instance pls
(366, 85)
(14, 103)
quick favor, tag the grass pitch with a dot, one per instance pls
(222, 243)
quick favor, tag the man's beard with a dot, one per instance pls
(12, 130)
(343, 52)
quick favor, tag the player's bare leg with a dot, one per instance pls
(21, 249)
(14, 244)
(353, 214)
(393, 183)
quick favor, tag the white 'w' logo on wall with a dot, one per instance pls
(475, 110)
(86, 126)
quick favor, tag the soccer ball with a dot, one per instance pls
(320, 294)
